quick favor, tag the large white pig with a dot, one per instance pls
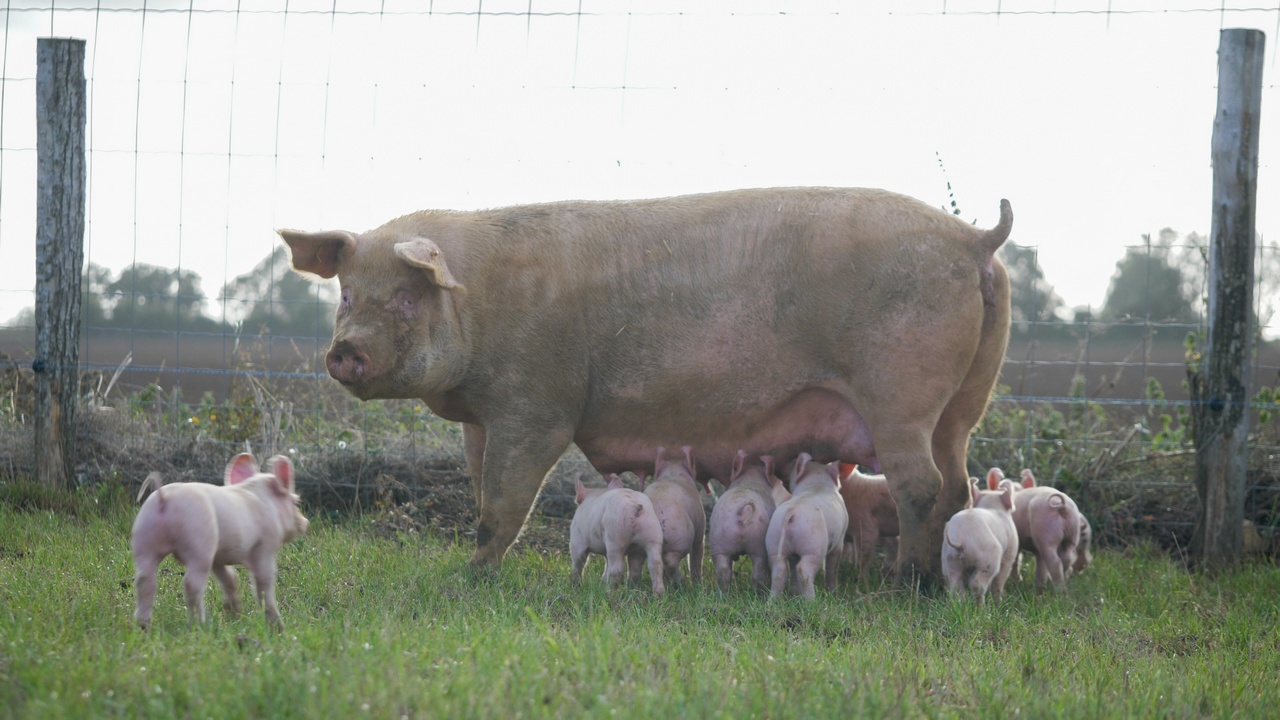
(856, 324)
(209, 528)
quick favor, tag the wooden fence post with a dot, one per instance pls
(1221, 390)
(60, 203)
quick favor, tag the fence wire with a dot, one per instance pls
(212, 124)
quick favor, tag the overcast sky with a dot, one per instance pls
(210, 129)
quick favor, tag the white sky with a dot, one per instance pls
(209, 130)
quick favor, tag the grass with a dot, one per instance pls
(392, 627)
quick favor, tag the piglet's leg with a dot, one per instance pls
(144, 587)
(193, 585)
(226, 576)
(264, 582)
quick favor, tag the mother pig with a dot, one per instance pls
(853, 324)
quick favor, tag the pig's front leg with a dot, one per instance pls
(226, 576)
(517, 458)
(473, 437)
(264, 583)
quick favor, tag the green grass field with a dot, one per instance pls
(395, 627)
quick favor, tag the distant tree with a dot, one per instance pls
(95, 302)
(1158, 281)
(148, 296)
(272, 298)
(1031, 297)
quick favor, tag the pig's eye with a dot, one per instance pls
(346, 299)
(404, 303)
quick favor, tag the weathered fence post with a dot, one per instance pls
(60, 203)
(1221, 390)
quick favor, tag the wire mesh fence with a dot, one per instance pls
(212, 124)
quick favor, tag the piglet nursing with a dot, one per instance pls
(807, 531)
(208, 528)
(621, 525)
(740, 519)
(674, 494)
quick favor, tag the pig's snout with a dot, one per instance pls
(347, 363)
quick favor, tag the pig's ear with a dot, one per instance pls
(1028, 480)
(241, 468)
(738, 461)
(975, 492)
(767, 460)
(659, 461)
(798, 468)
(833, 472)
(994, 476)
(318, 253)
(615, 482)
(688, 461)
(580, 490)
(425, 254)
(282, 468)
(1007, 496)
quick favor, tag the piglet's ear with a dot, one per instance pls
(425, 254)
(833, 472)
(282, 467)
(738, 461)
(798, 469)
(580, 490)
(659, 461)
(615, 482)
(767, 461)
(994, 476)
(241, 468)
(689, 464)
(318, 253)
(1028, 480)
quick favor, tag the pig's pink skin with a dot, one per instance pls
(980, 544)
(621, 326)
(807, 532)
(740, 519)
(1048, 523)
(621, 525)
(872, 514)
(209, 528)
(1083, 556)
(674, 494)
(1050, 528)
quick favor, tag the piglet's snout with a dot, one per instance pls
(347, 363)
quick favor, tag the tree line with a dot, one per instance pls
(1161, 280)
(269, 299)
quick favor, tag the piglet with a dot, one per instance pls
(1049, 527)
(621, 525)
(808, 530)
(674, 494)
(873, 515)
(979, 544)
(740, 519)
(207, 528)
